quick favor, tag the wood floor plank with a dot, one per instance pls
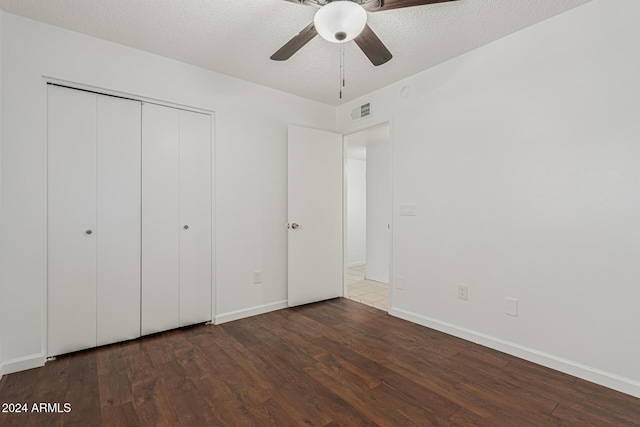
(270, 413)
(414, 408)
(335, 363)
(226, 406)
(318, 400)
(152, 404)
(587, 415)
(159, 348)
(465, 418)
(487, 374)
(619, 405)
(361, 400)
(247, 388)
(109, 359)
(120, 415)
(401, 362)
(82, 390)
(114, 389)
(504, 408)
(295, 392)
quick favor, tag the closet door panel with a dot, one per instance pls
(72, 231)
(160, 218)
(118, 217)
(195, 213)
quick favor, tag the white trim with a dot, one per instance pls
(129, 95)
(345, 216)
(22, 363)
(390, 279)
(44, 242)
(389, 123)
(606, 379)
(214, 288)
(377, 279)
(248, 312)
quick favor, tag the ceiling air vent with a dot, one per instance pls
(361, 112)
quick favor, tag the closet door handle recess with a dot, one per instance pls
(186, 227)
(89, 231)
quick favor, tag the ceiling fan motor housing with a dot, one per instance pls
(340, 21)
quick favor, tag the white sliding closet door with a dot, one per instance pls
(195, 217)
(176, 218)
(71, 220)
(160, 218)
(93, 220)
(118, 238)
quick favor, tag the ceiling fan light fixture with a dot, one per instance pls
(340, 21)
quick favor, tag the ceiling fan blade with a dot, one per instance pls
(371, 45)
(295, 44)
(397, 4)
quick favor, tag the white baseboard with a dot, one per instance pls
(356, 264)
(22, 364)
(606, 379)
(384, 280)
(248, 312)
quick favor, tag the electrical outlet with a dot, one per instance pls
(463, 291)
(257, 277)
(399, 283)
(512, 307)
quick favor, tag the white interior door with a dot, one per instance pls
(160, 218)
(315, 185)
(71, 282)
(195, 218)
(118, 217)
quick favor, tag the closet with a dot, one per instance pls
(128, 219)
(176, 218)
(93, 220)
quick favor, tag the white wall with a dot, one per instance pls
(378, 211)
(356, 212)
(250, 169)
(522, 158)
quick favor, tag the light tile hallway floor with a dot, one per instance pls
(375, 294)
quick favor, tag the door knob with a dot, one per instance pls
(186, 227)
(294, 226)
(89, 231)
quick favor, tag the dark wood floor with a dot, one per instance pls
(337, 363)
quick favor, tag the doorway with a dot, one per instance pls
(368, 216)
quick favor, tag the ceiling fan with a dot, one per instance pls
(340, 21)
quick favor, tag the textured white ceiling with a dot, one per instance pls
(237, 37)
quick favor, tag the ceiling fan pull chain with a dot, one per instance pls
(341, 82)
(344, 63)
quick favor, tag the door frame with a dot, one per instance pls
(45, 82)
(345, 235)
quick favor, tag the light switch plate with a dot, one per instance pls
(407, 209)
(257, 277)
(512, 307)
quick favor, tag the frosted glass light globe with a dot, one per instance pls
(340, 21)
